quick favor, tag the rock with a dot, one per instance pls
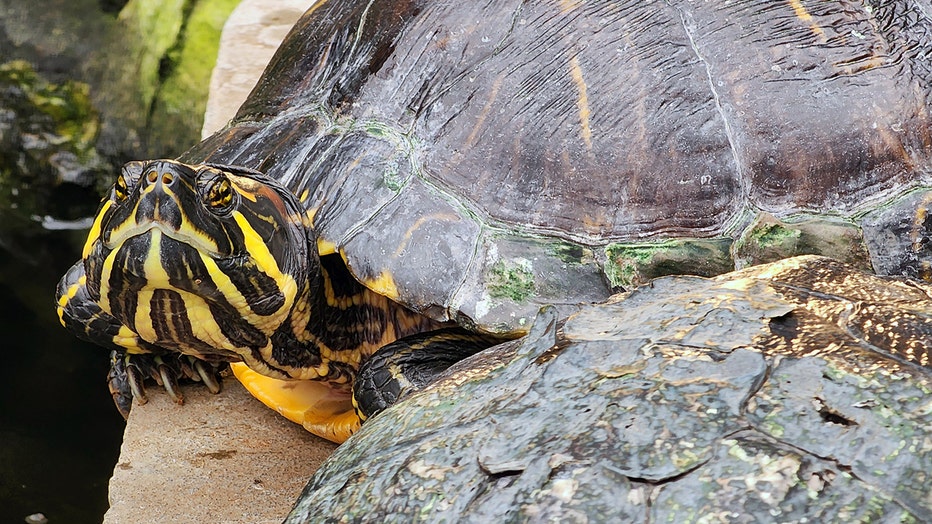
(219, 458)
(251, 35)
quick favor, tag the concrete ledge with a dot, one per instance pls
(250, 37)
(218, 458)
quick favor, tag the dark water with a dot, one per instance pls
(59, 432)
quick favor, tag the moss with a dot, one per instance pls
(628, 265)
(774, 235)
(157, 73)
(61, 109)
(511, 280)
(150, 29)
(569, 253)
(768, 239)
(186, 68)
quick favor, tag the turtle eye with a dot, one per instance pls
(219, 195)
(120, 189)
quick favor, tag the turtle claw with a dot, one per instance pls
(129, 372)
(169, 381)
(136, 385)
(208, 376)
(121, 384)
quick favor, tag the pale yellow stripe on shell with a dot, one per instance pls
(94, 232)
(800, 10)
(582, 102)
(326, 247)
(382, 284)
(569, 5)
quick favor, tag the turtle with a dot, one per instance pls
(761, 395)
(410, 182)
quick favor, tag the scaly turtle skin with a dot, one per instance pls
(450, 162)
(673, 403)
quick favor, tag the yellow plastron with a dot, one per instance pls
(315, 405)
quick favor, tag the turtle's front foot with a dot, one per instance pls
(128, 373)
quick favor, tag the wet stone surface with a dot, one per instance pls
(680, 400)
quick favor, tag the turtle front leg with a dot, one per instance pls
(132, 359)
(411, 363)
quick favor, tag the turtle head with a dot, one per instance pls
(202, 259)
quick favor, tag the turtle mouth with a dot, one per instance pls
(199, 241)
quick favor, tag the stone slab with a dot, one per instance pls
(222, 458)
(250, 37)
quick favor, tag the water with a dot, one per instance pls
(59, 432)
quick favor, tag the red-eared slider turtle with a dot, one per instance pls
(674, 403)
(410, 165)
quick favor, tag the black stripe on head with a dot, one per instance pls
(173, 329)
(127, 278)
(259, 290)
(186, 271)
(237, 330)
(167, 312)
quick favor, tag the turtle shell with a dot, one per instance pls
(674, 403)
(477, 162)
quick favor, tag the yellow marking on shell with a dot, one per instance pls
(800, 10)
(321, 409)
(569, 5)
(477, 128)
(311, 214)
(417, 225)
(582, 103)
(326, 247)
(94, 232)
(384, 285)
